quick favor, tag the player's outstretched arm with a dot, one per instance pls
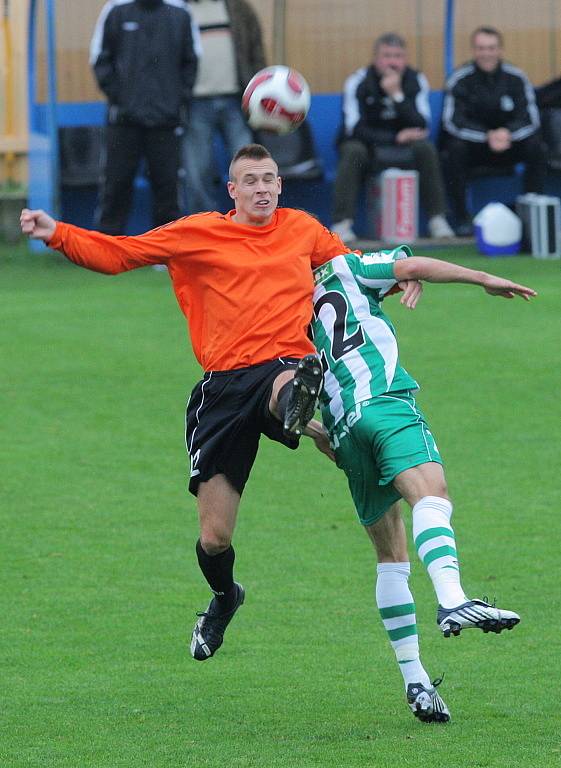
(100, 252)
(437, 271)
(37, 224)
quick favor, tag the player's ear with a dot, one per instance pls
(279, 184)
(232, 189)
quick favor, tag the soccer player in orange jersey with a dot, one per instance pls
(244, 282)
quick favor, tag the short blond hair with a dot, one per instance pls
(250, 152)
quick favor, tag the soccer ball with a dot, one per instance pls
(276, 99)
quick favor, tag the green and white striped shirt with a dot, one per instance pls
(354, 338)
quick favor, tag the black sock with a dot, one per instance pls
(283, 398)
(218, 570)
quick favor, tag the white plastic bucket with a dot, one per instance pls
(498, 231)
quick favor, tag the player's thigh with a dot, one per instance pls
(276, 374)
(226, 415)
(424, 480)
(280, 380)
(219, 437)
(354, 454)
(403, 438)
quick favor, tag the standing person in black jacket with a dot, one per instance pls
(386, 110)
(491, 119)
(144, 56)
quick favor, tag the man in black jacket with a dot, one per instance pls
(144, 57)
(386, 107)
(491, 119)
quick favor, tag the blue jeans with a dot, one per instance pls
(208, 116)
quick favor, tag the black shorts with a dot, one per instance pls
(227, 413)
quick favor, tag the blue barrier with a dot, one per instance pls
(78, 205)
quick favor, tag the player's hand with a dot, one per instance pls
(412, 292)
(316, 431)
(37, 224)
(497, 286)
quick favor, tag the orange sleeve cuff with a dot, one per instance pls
(56, 240)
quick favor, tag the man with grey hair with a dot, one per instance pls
(386, 121)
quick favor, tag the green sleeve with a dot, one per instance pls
(378, 265)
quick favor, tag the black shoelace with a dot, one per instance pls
(436, 682)
(492, 604)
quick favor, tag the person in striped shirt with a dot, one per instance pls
(383, 443)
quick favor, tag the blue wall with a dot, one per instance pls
(324, 118)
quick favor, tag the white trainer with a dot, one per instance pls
(344, 229)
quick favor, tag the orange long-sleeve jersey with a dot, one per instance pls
(246, 291)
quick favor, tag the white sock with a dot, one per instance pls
(397, 609)
(436, 547)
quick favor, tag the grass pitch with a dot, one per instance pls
(99, 577)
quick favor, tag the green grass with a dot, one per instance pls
(99, 578)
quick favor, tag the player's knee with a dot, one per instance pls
(435, 489)
(439, 488)
(418, 482)
(215, 542)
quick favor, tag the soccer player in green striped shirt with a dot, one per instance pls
(383, 443)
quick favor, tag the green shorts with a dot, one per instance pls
(376, 441)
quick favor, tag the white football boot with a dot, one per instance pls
(426, 704)
(475, 614)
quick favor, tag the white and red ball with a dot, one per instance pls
(276, 99)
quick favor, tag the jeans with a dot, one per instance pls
(208, 116)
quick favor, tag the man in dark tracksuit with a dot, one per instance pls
(144, 57)
(490, 118)
(386, 105)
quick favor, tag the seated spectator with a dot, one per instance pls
(548, 99)
(386, 105)
(490, 118)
